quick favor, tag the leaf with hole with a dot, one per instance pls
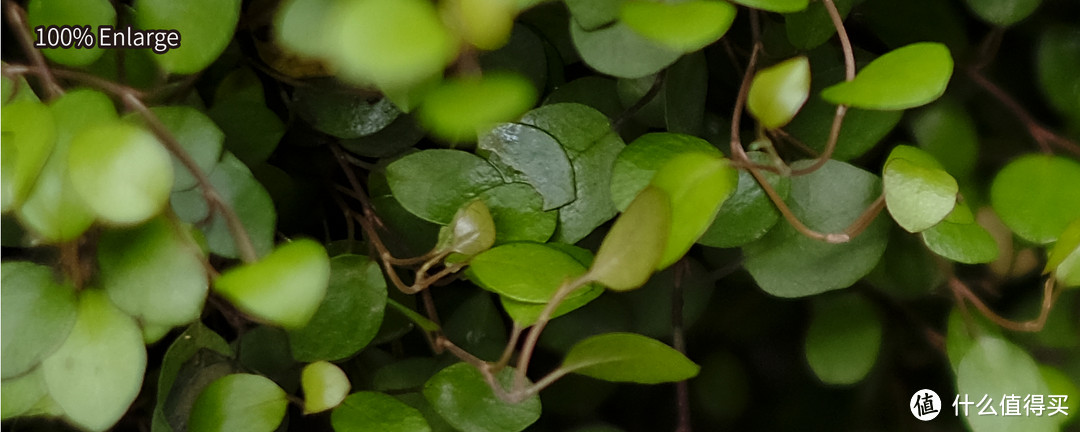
(628, 357)
(285, 288)
(903, 78)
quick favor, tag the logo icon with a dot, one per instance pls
(925, 405)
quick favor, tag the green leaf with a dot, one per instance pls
(628, 357)
(586, 136)
(995, 367)
(434, 184)
(121, 172)
(376, 412)
(946, 131)
(393, 44)
(636, 243)
(472, 231)
(903, 78)
(684, 27)
(782, 6)
(297, 20)
(779, 91)
(395, 138)
(697, 185)
(1057, 54)
(197, 134)
(206, 27)
(484, 24)
(517, 211)
(350, 314)
(461, 107)
(527, 154)
(29, 134)
(960, 239)
(748, 213)
(812, 26)
(86, 14)
(54, 210)
(1032, 197)
(19, 396)
(195, 338)
(785, 263)
(591, 14)
(1003, 13)
(252, 130)
(527, 272)
(844, 339)
(461, 396)
(154, 272)
(1064, 258)
(97, 372)
(341, 113)
(639, 161)
(239, 403)
(908, 269)
(605, 49)
(918, 191)
(248, 199)
(477, 326)
(285, 288)
(325, 386)
(525, 53)
(685, 90)
(38, 314)
(527, 313)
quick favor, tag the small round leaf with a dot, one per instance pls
(239, 403)
(918, 191)
(778, 91)
(348, 317)
(684, 27)
(434, 184)
(206, 27)
(1003, 13)
(88, 14)
(1034, 196)
(460, 395)
(995, 367)
(285, 288)
(844, 339)
(697, 185)
(605, 50)
(325, 386)
(527, 272)
(460, 107)
(960, 239)
(38, 314)
(906, 77)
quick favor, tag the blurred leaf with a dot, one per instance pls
(239, 403)
(994, 367)
(591, 14)
(460, 394)
(197, 135)
(19, 395)
(78, 13)
(349, 315)
(433, 184)
(697, 185)
(779, 91)
(908, 269)
(376, 412)
(527, 272)
(153, 272)
(686, 26)
(1030, 196)
(336, 111)
(30, 135)
(844, 338)
(205, 26)
(911, 21)
(586, 136)
(527, 154)
(636, 242)
(642, 158)
(525, 54)
(628, 357)
(785, 263)
(748, 214)
(1003, 13)
(906, 77)
(918, 191)
(812, 26)
(38, 314)
(392, 44)
(960, 239)
(252, 130)
(461, 108)
(486, 24)
(946, 131)
(604, 50)
(1064, 258)
(98, 371)
(782, 6)
(297, 20)
(477, 326)
(325, 386)
(1058, 53)
(285, 288)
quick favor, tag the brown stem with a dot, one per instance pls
(16, 17)
(682, 388)
(527, 349)
(961, 291)
(1044, 137)
(508, 352)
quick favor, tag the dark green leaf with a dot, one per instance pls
(434, 184)
(239, 403)
(1003, 13)
(245, 195)
(527, 154)
(628, 357)
(376, 412)
(285, 288)
(198, 135)
(205, 27)
(517, 211)
(812, 26)
(1032, 197)
(946, 131)
(906, 77)
(38, 314)
(338, 112)
(395, 138)
(527, 272)
(196, 337)
(252, 130)
(1057, 54)
(460, 394)
(786, 263)
(748, 213)
(605, 51)
(685, 89)
(350, 314)
(97, 372)
(591, 14)
(844, 339)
